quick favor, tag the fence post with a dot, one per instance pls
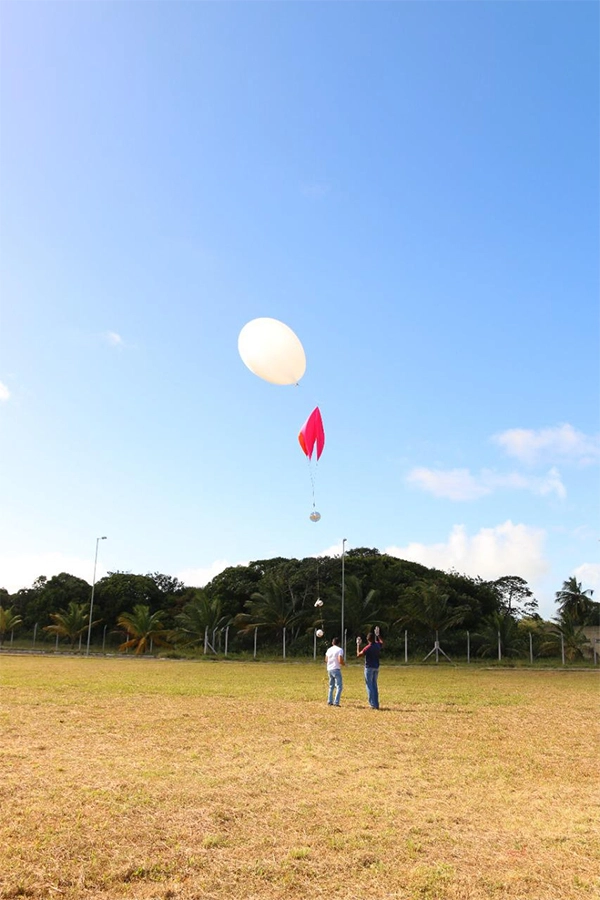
(468, 647)
(104, 638)
(595, 650)
(151, 644)
(562, 647)
(499, 646)
(284, 643)
(213, 638)
(226, 639)
(11, 636)
(531, 648)
(405, 645)
(315, 643)
(205, 639)
(255, 631)
(345, 638)
(79, 648)
(34, 634)
(56, 645)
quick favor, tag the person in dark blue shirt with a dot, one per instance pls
(371, 654)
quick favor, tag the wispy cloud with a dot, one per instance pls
(454, 484)
(4, 393)
(586, 533)
(114, 339)
(315, 189)
(461, 484)
(562, 442)
(490, 553)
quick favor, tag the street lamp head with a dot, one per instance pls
(103, 538)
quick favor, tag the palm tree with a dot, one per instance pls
(502, 628)
(70, 623)
(360, 611)
(196, 616)
(274, 608)
(575, 602)
(428, 605)
(8, 622)
(565, 631)
(143, 628)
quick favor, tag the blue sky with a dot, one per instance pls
(411, 187)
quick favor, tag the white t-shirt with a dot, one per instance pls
(333, 657)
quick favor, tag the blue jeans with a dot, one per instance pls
(371, 676)
(335, 681)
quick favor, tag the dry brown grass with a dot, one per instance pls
(167, 779)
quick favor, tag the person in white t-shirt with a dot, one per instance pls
(335, 660)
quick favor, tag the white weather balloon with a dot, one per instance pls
(272, 351)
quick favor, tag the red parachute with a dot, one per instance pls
(312, 435)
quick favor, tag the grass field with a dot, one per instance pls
(162, 779)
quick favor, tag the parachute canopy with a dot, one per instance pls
(272, 351)
(312, 433)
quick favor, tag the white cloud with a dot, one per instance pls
(561, 442)
(4, 392)
(552, 483)
(506, 549)
(334, 550)
(455, 484)
(586, 533)
(114, 339)
(200, 577)
(588, 574)
(21, 570)
(460, 484)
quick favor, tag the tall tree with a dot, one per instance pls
(515, 596)
(428, 606)
(197, 615)
(273, 608)
(360, 608)
(32, 604)
(234, 587)
(8, 622)
(120, 592)
(503, 627)
(70, 623)
(565, 632)
(143, 629)
(166, 584)
(574, 602)
(63, 589)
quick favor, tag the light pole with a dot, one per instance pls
(87, 653)
(343, 593)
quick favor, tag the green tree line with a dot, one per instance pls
(301, 595)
